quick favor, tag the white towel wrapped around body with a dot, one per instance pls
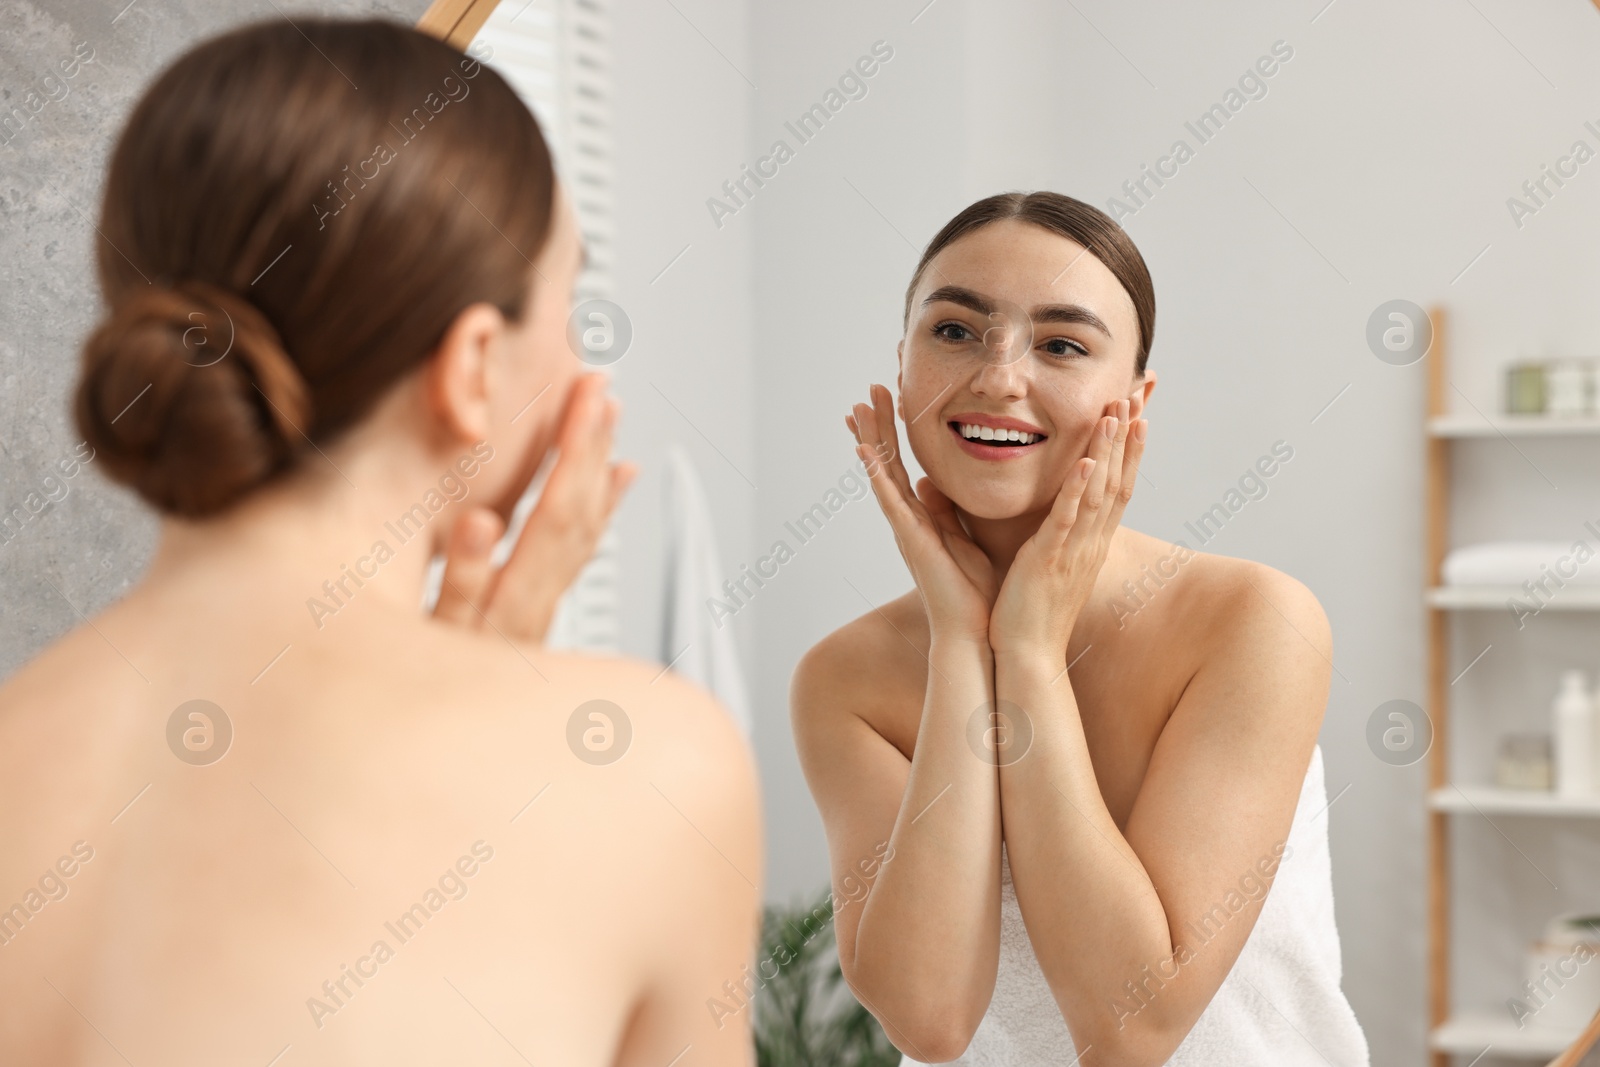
(1280, 1005)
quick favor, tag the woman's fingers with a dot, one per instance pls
(583, 490)
(560, 536)
(467, 573)
(1119, 411)
(940, 507)
(1138, 431)
(1085, 516)
(890, 497)
(876, 448)
(1063, 517)
(587, 437)
(1114, 471)
(902, 520)
(883, 414)
(875, 428)
(622, 476)
(1079, 502)
(577, 488)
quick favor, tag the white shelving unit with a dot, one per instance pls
(1488, 800)
(1510, 426)
(1468, 1033)
(1494, 597)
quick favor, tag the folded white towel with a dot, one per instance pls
(695, 647)
(1515, 562)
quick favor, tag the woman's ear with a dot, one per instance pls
(1141, 393)
(456, 382)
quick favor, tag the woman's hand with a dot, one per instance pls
(953, 575)
(519, 599)
(1055, 570)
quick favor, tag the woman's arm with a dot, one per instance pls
(922, 948)
(1123, 921)
(914, 844)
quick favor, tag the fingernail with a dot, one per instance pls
(1087, 471)
(477, 538)
(1109, 429)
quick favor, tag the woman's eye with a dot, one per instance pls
(952, 331)
(1060, 346)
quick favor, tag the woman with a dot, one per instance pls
(1084, 752)
(262, 809)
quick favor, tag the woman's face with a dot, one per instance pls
(538, 368)
(967, 360)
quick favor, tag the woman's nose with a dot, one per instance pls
(1002, 376)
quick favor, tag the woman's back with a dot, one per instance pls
(397, 859)
(263, 809)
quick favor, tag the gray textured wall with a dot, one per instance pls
(73, 541)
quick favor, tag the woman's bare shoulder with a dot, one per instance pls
(438, 696)
(866, 665)
(1208, 576)
(1222, 598)
(663, 717)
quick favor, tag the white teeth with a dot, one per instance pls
(974, 432)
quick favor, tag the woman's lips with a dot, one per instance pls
(980, 449)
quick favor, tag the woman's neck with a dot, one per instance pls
(361, 533)
(1001, 539)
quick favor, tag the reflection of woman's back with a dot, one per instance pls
(1280, 1004)
(261, 809)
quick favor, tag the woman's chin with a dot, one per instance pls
(993, 506)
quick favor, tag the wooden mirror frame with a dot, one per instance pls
(457, 22)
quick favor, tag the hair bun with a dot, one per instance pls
(188, 394)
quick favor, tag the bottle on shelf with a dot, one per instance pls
(1573, 732)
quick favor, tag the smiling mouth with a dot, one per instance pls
(986, 435)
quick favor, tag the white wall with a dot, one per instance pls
(682, 114)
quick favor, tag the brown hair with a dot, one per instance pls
(1074, 220)
(294, 214)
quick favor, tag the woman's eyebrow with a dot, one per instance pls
(955, 294)
(975, 301)
(1069, 313)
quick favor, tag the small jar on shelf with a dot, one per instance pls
(1525, 388)
(1524, 763)
(1569, 388)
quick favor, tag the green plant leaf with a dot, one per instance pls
(805, 1014)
